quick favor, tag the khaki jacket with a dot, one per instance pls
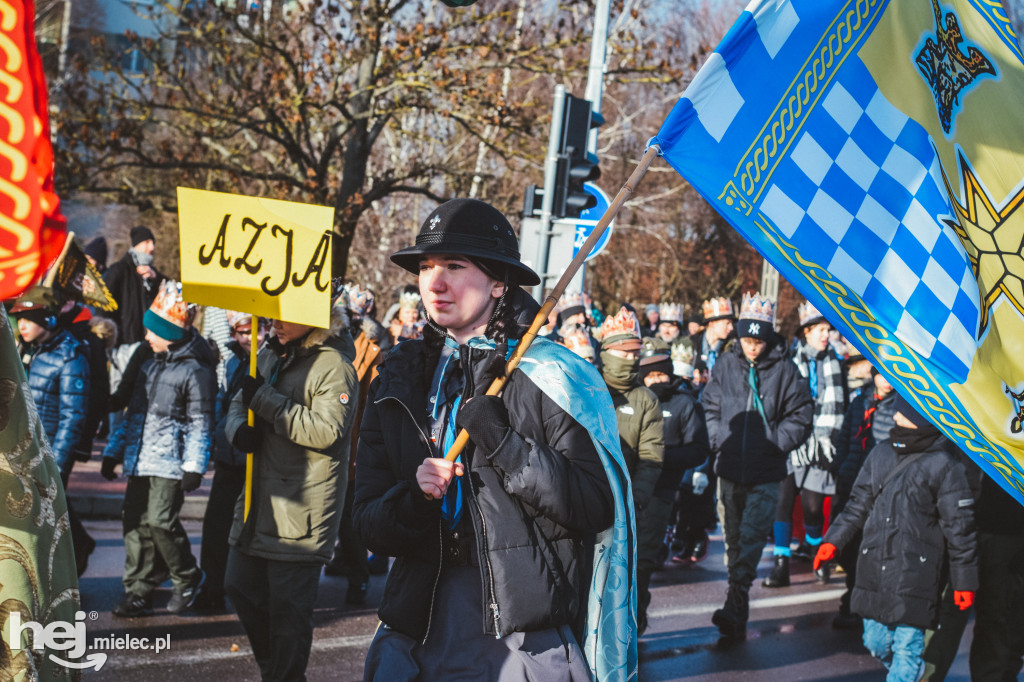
(304, 413)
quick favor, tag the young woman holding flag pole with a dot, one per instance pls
(514, 557)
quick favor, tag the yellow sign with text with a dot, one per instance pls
(261, 256)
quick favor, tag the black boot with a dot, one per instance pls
(731, 619)
(779, 577)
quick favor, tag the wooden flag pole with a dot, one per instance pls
(253, 340)
(552, 298)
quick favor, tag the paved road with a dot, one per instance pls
(790, 636)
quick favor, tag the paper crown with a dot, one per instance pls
(717, 309)
(682, 359)
(408, 299)
(671, 312)
(170, 314)
(809, 314)
(359, 300)
(576, 339)
(754, 307)
(236, 318)
(621, 330)
(573, 304)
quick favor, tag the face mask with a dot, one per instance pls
(620, 373)
(141, 258)
(913, 440)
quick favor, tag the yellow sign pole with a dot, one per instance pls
(254, 338)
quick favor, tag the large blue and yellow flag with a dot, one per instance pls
(873, 151)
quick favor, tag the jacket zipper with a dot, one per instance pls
(495, 613)
(743, 443)
(440, 535)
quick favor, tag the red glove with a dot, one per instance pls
(826, 552)
(963, 598)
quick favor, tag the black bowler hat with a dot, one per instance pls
(472, 228)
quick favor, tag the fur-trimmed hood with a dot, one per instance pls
(339, 322)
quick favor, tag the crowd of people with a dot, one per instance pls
(505, 557)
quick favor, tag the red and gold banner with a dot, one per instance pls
(32, 229)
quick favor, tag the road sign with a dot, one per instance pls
(585, 224)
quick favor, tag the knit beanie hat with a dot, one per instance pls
(97, 249)
(903, 406)
(139, 234)
(170, 317)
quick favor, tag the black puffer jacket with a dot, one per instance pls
(922, 516)
(534, 504)
(868, 421)
(747, 450)
(686, 433)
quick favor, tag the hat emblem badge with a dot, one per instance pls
(755, 328)
(434, 221)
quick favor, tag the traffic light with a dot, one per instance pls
(575, 165)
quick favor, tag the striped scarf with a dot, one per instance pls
(829, 406)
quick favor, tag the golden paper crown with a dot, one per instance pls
(717, 308)
(576, 339)
(408, 299)
(682, 352)
(753, 307)
(569, 301)
(809, 314)
(360, 301)
(671, 312)
(623, 326)
(236, 318)
(170, 306)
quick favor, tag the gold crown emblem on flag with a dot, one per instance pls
(809, 314)
(717, 308)
(170, 306)
(671, 312)
(754, 307)
(621, 330)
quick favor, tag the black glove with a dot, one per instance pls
(249, 387)
(107, 468)
(191, 481)
(481, 367)
(486, 419)
(246, 438)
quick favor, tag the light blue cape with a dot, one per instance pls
(577, 388)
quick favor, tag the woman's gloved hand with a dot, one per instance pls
(485, 418)
(700, 482)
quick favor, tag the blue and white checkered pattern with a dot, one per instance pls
(862, 191)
